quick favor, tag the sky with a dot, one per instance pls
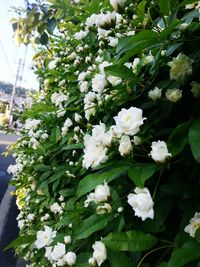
(10, 53)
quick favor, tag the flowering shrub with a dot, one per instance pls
(107, 169)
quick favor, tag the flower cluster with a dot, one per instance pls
(103, 168)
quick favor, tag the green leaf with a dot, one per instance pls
(51, 24)
(82, 260)
(74, 146)
(194, 139)
(162, 208)
(45, 175)
(57, 175)
(118, 259)
(165, 34)
(172, 48)
(178, 139)
(41, 167)
(44, 39)
(68, 218)
(141, 10)
(55, 135)
(91, 225)
(186, 2)
(89, 182)
(163, 264)
(190, 251)
(130, 241)
(191, 15)
(164, 6)
(40, 150)
(21, 240)
(122, 43)
(140, 173)
(138, 42)
(119, 71)
(197, 235)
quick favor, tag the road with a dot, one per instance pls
(8, 209)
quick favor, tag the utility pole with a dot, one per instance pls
(14, 92)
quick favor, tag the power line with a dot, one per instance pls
(23, 66)
(12, 100)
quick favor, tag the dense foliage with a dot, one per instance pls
(107, 170)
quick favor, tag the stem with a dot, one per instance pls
(166, 241)
(154, 250)
(163, 255)
(154, 193)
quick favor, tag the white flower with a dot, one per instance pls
(94, 156)
(98, 83)
(21, 223)
(52, 64)
(100, 253)
(44, 238)
(135, 65)
(96, 146)
(128, 64)
(142, 203)
(130, 33)
(155, 94)
(77, 117)
(58, 252)
(103, 65)
(137, 140)
(67, 239)
(173, 95)
(190, 6)
(159, 151)
(128, 121)
(73, 55)
(112, 41)
(82, 76)
(102, 34)
(48, 251)
(30, 217)
(125, 146)
(90, 21)
(114, 80)
(102, 192)
(106, 19)
(120, 209)
(58, 98)
(44, 136)
(14, 169)
(195, 89)
(66, 126)
(80, 35)
(60, 113)
(70, 258)
(61, 262)
(32, 124)
(181, 67)
(89, 97)
(116, 4)
(83, 86)
(184, 26)
(193, 225)
(92, 261)
(56, 208)
(148, 59)
(99, 136)
(90, 198)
